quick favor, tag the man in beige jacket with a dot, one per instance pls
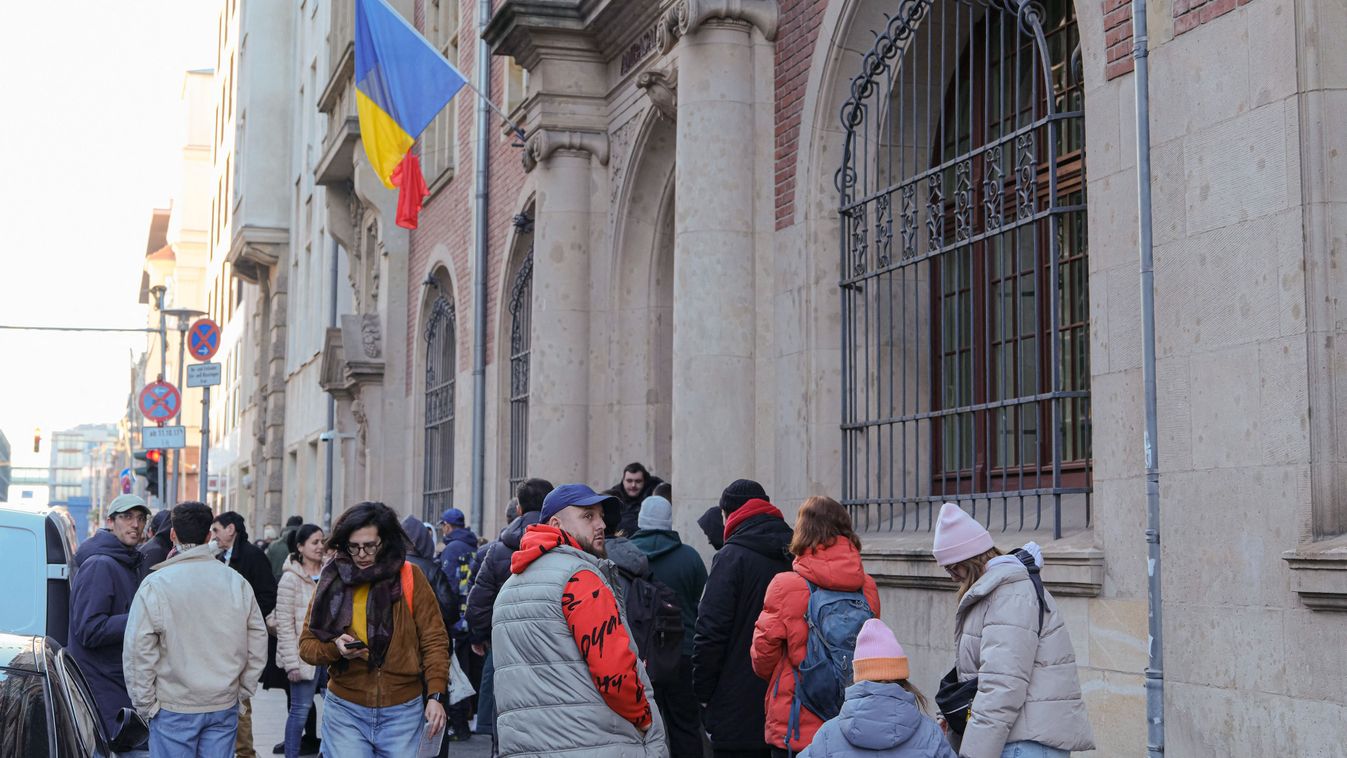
(195, 645)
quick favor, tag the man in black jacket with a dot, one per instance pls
(492, 571)
(757, 541)
(230, 532)
(155, 549)
(637, 484)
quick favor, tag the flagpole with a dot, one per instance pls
(516, 128)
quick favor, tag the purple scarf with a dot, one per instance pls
(333, 602)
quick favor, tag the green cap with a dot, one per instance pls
(124, 503)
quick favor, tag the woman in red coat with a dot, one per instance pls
(827, 554)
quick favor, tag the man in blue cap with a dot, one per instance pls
(456, 560)
(568, 674)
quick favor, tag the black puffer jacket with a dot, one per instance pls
(722, 673)
(631, 506)
(492, 571)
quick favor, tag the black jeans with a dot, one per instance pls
(682, 717)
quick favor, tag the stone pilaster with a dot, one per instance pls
(559, 370)
(714, 233)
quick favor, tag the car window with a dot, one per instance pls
(81, 704)
(68, 739)
(23, 715)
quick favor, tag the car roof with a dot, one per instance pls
(22, 652)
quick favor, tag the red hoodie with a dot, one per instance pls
(591, 612)
(782, 633)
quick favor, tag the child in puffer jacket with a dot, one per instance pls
(882, 715)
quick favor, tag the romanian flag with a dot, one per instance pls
(401, 83)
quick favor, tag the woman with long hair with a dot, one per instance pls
(299, 579)
(375, 623)
(1010, 638)
(827, 557)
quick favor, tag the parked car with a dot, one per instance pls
(37, 564)
(45, 705)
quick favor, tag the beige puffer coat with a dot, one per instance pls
(1028, 688)
(293, 594)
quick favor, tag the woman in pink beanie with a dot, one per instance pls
(883, 713)
(1010, 638)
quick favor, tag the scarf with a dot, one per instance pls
(754, 507)
(333, 601)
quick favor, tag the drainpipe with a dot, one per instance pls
(331, 401)
(480, 270)
(1155, 668)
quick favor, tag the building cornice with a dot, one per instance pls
(687, 16)
(544, 143)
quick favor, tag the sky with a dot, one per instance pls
(89, 145)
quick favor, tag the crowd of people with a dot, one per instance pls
(586, 627)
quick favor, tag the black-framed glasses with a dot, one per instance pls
(369, 548)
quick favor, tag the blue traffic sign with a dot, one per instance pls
(203, 339)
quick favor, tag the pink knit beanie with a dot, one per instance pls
(958, 537)
(879, 657)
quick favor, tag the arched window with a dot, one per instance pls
(441, 368)
(521, 327)
(964, 272)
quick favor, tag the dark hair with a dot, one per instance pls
(637, 468)
(294, 521)
(382, 518)
(512, 509)
(232, 518)
(821, 522)
(531, 493)
(298, 537)
(664, 490)
(191, 522)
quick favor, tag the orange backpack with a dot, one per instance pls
(407, 584)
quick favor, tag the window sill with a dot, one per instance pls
(1319, 574)
(1072, 566)
(442, 181)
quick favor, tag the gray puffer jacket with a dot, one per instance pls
(546, 701)
(1028, 688)
(879, 719)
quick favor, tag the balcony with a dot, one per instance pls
(338, 99)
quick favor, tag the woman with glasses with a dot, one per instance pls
(375, 623)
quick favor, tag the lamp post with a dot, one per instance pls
(158, 291)
(184, 316)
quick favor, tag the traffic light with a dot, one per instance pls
(37, 440)
(149, 469)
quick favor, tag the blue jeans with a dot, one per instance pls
(301, 700)
(1026, 749)
(354, 731)
(194, 735)
(486, 697)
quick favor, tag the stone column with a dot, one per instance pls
(558, 445)
(714, 302)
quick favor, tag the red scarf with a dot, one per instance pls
(754, 507)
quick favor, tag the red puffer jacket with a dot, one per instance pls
(781, 633)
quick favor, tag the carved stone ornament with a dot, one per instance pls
(662, 89)
(545, 142)
(370, 339)
(686, 16)
(361, 421)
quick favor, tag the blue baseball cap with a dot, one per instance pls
(579, 494)
(453, 517)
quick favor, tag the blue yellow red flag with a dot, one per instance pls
(401, 83)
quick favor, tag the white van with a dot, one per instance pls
(37, 563)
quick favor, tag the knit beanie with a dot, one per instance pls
(739, 492)
(958, 537)
(879, 657)
(656, 513)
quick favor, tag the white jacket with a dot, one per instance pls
(293, 595)
(195, 639)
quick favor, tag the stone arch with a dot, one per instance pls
(640, 409)
(441, 281)
(508, 441)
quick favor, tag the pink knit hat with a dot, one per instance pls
(958, 537)
(879, 657)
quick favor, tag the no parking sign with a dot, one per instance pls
(203, 339)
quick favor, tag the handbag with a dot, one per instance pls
(955, 698)
(460, 687)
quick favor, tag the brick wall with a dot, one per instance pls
(795, 41)
(447, 217)
(1118, 38)
(1188, 14)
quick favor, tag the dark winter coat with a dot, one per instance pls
(722, 673)
(155, 552)
(680, 568)
(492, 571)
(422, 555)
(631, 506)
(713, 526)
(107, 576)
(461, 543)
(249, 560)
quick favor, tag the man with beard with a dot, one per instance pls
(637, 484)
(566, 663)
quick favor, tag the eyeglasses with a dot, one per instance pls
(369, 548)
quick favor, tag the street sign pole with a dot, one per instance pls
(177, 454)
(205, 341)
(163, 360)
(203, 470)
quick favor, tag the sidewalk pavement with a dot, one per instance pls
(269, 728)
